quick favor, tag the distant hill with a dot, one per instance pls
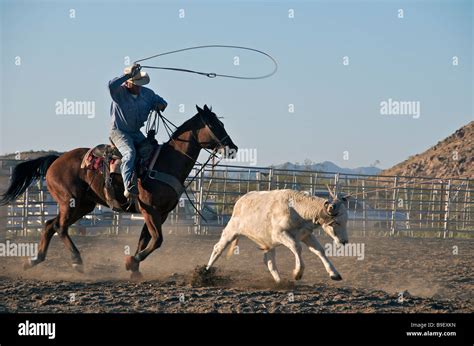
(328, 166)
(453, 157)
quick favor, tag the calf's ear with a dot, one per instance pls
(346, 198)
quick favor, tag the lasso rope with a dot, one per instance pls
(211, 74)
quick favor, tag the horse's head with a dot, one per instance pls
(212, 135)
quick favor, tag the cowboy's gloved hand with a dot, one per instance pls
(161, 107)
(135, 69)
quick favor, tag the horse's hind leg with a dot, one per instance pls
(228, 235)
(75, 254)
(67, 216)
(46, 235)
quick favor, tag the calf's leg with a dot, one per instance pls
(269, 259)
(228, 235)
(294, 245)
(318, 250)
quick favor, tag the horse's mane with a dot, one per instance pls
(186, 126)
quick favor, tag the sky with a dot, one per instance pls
(338, 62)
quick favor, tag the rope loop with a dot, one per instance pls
(211, 74)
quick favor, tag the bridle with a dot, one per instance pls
(154, 125)
(220, 142)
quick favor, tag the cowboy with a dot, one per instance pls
(131, 104)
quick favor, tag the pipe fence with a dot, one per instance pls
(384, 205)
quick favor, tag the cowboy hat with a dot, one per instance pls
(141, 78)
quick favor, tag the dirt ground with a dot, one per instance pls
(395, 275)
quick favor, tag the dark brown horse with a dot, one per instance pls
(77, 190)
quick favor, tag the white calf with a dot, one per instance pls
(285, 217)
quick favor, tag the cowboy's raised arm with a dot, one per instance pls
(114, 84)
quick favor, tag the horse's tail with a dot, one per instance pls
(232, 246)
(24, 174)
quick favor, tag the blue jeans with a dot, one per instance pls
(126, 143)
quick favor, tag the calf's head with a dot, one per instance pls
(334, 220)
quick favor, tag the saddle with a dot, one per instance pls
(106, 160)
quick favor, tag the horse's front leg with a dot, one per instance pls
(130, 263)
(150, 242)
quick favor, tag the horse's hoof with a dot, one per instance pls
(136, 276)
(298, 276)
(336, 277)
(78, 267)
(29, 263)
(131, 264)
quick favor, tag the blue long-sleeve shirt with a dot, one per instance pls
(128, 113)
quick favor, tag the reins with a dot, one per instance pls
(152, 127)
